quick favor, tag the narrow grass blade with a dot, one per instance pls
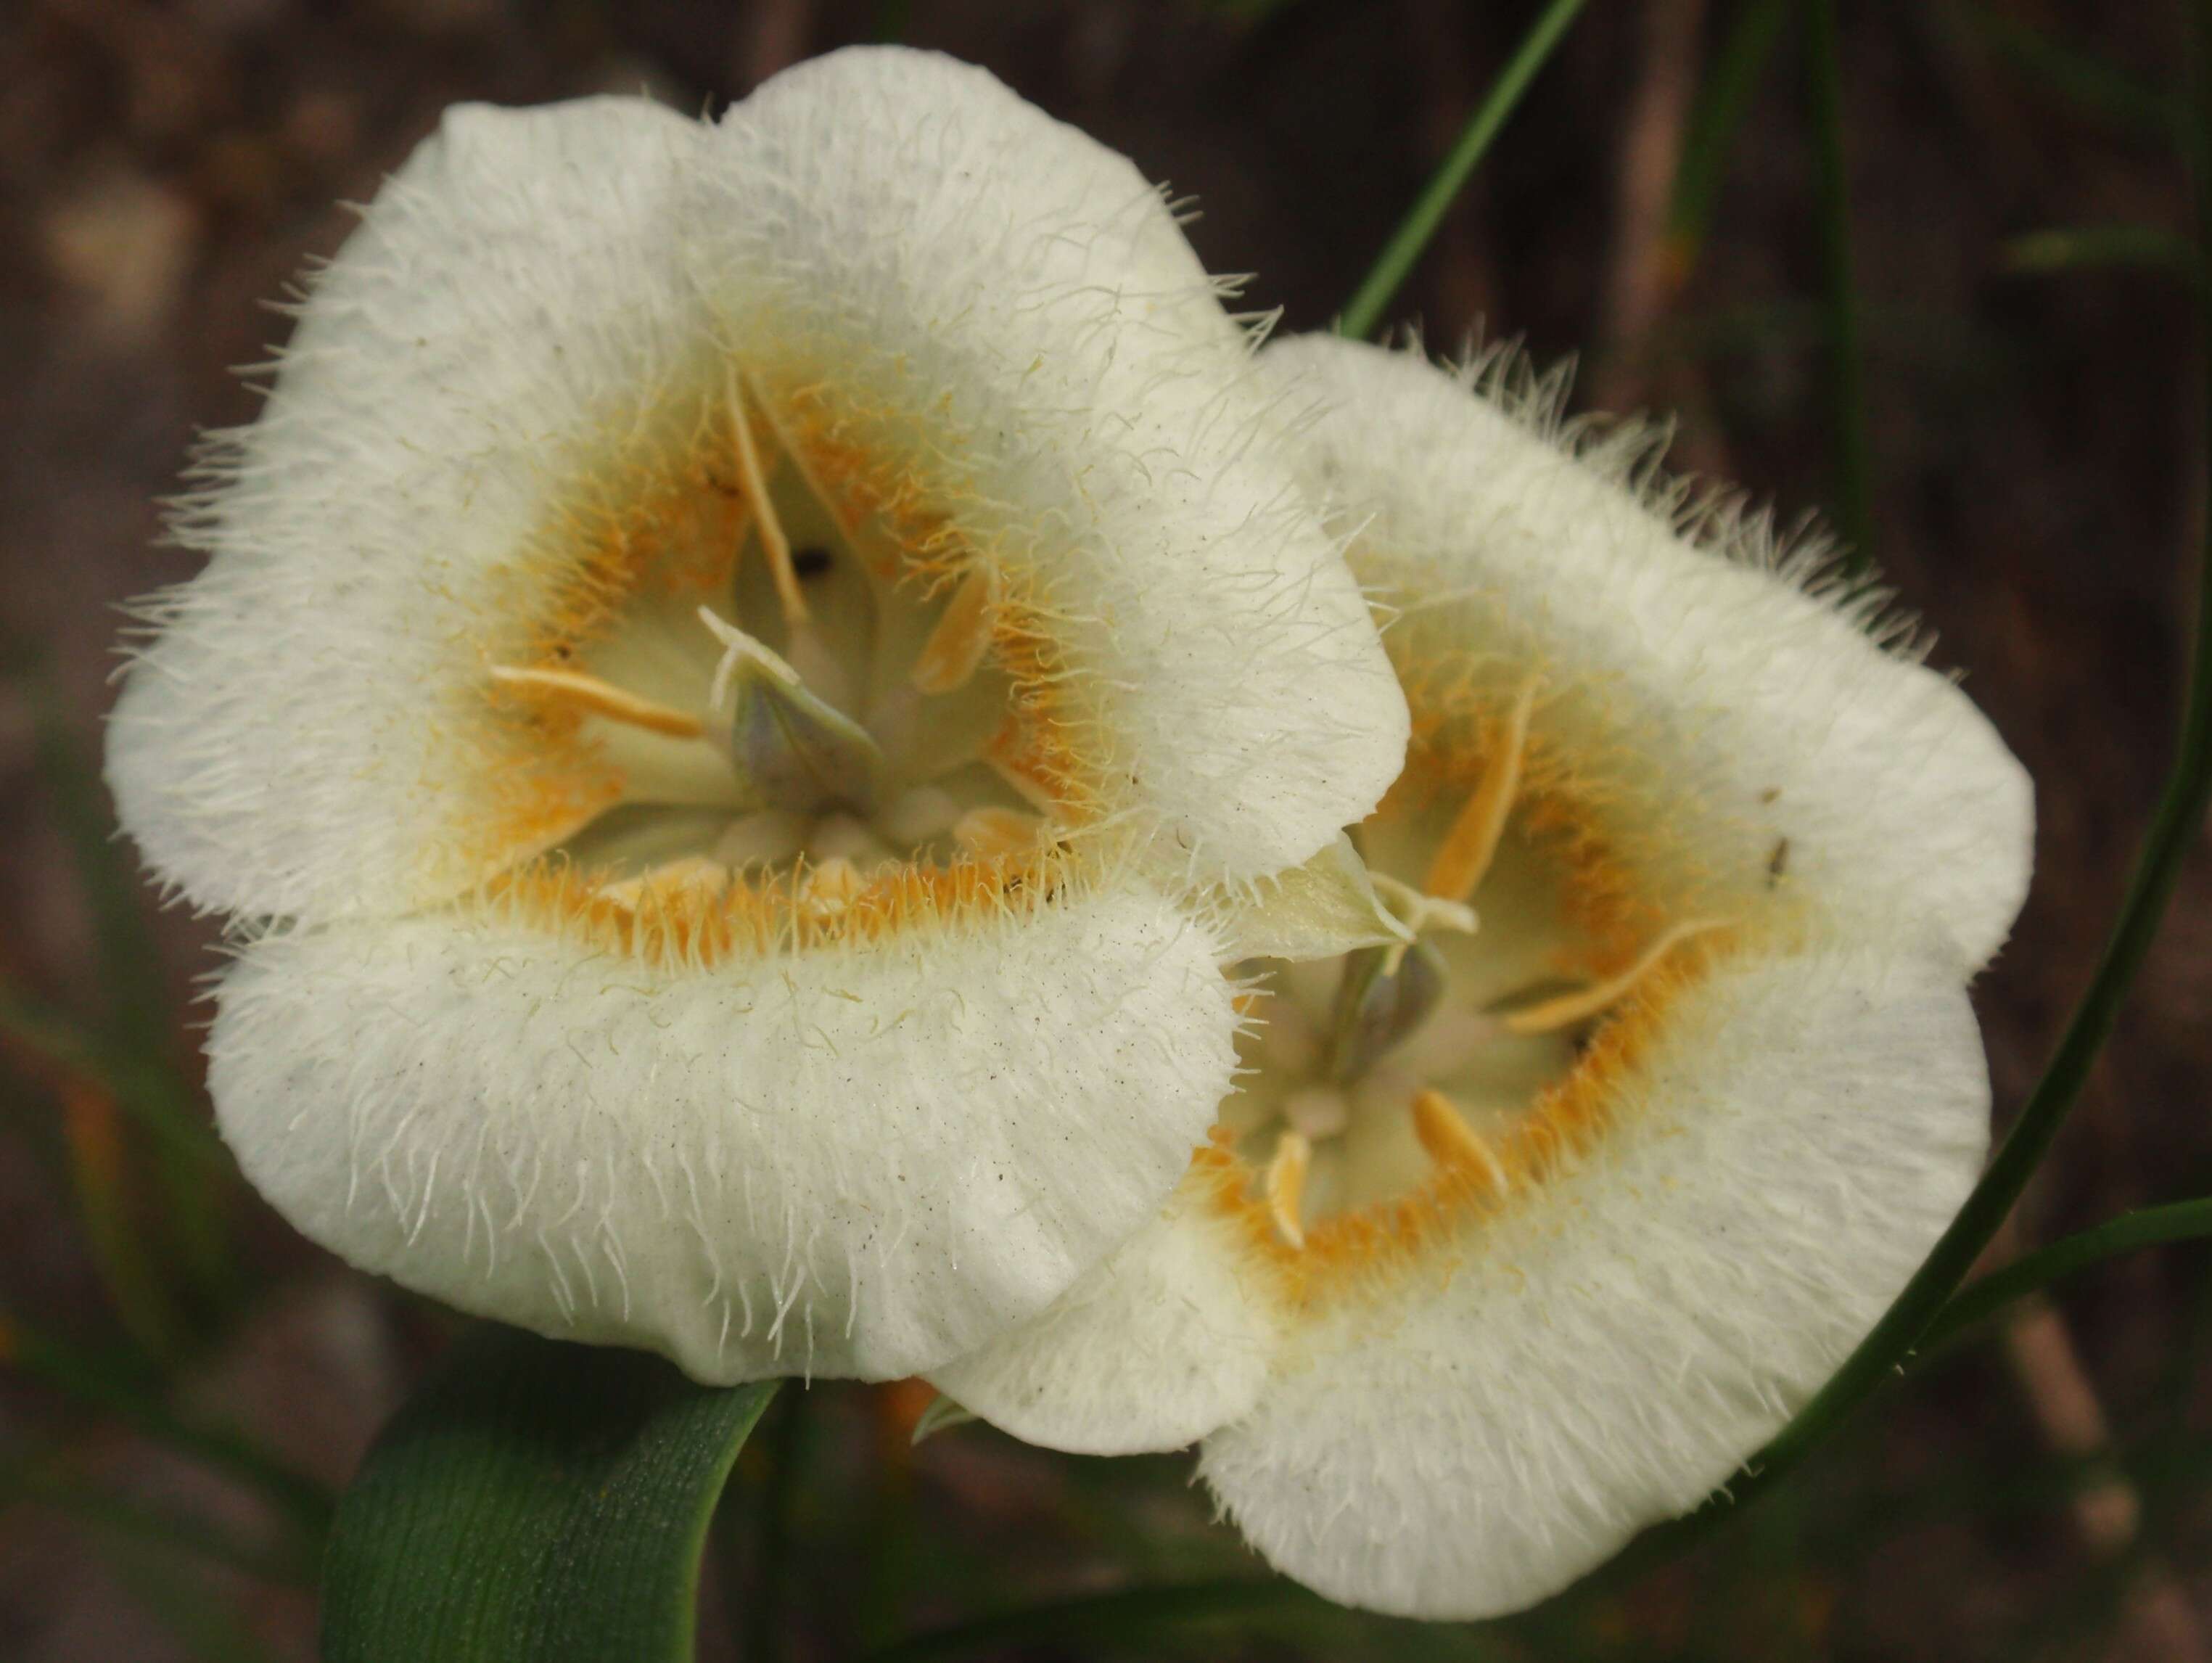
(2066, 249)
(534, 1499)
(1363, 314)
(138, 1403)
(2084, 83)
(1726, 95)
(50, 1485)
(2183, 1221)
(1846, 373)
(137, 1037)
(91, 1134)
(2175, 827)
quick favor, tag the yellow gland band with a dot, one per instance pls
(1469, 847)
(603, 699)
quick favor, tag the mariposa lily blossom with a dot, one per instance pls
(1524, 1235)
(743, 675)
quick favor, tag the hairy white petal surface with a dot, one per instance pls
(1743, 725)
(956, 277)
(288, 744)
(1326, 906)
(986, 299)
(1165, 1340)
(855, 1161)
(1609, 1349)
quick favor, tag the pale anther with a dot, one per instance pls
(955, 647)
(1569, 1008)
(603, 699)
(1286, 1184)
(773, 540)
(1472, 844)
(1452, 1142)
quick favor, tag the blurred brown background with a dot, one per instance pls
(2031, 393)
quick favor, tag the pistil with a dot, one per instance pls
(790, 749)
(1336, 1066)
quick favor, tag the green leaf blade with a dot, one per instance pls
(534, 1499)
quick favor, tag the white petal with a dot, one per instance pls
(1316, 910)
(1609, 1347)
(295, 741)
(857, 1161)
(1165, 1340)
(1748, 729)
(957, 280)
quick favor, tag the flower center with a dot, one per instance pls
(768, 701)
(1373, 1076)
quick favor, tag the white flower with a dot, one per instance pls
(1520, 1239)
(728, 672)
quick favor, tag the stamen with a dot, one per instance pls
(987, 832)
(603, 699)
(773, 540)
(1452, 1142)
(1472, 844)
(956, 645)
(1286, 1182)
(1569, 1008)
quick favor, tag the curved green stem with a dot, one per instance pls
(2183, 1221)
(1363, 314)
(2173, 829)
(1846, 387)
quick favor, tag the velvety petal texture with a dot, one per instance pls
(1605, 1352)
(907, 263)
(298, 737)
(1597, 1304)
(1174, 1335)
(1738, 697)
(547, 1005)
(856, 1161)
(904, 248)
